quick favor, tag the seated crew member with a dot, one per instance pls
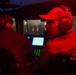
(59, 30)
(18, 44)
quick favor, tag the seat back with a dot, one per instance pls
(6, 62)
(58, 64)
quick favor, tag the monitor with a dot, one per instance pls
(38, 41)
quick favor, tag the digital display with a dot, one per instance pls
(38, 41)
(37, 52)
(28, 37)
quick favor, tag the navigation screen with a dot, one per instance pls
(38, 41)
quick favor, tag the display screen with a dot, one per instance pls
(38, 41)
(28, 37)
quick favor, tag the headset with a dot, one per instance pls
(2, 21)
(5, 18)
(65, 23)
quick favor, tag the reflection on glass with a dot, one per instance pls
(35, 27)
(14, 24)
(74, 22)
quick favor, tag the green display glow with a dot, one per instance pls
(37, 52)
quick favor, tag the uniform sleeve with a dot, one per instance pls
(44, 57)
(30, 53)
(30, 66)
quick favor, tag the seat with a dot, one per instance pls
(58, 64)
(6, 62)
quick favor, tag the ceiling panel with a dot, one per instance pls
(28, 2)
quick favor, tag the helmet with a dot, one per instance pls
(62, 14)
